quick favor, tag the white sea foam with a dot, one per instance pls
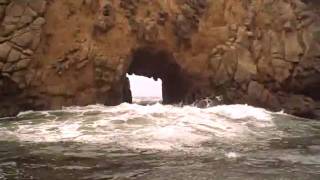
(157, 126)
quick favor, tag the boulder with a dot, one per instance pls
(27, 17)
(299, 105)
(22, 64)
(255, 90)
(24, 39)
(16, 9)
(4, 51)
(13, 56)
(37, 23)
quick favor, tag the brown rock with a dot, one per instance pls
(299, 105)
(281, 69)
(22, 64)
(255, 90)
(19, 79)
(37, 23)
(13, 56)
(222, 76)
(2, 12)
(293, 49)
(23, 40)
(27, 17)
(1, 66)
(8, 67)
(38, 6)
(4, 51)
(59, 90)
(246, 67)
(15, 9)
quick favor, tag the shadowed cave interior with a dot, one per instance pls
(158, 63)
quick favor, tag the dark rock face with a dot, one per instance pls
(263, 53)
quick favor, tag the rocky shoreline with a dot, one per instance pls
(56, 53)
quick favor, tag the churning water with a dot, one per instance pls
(130, 141)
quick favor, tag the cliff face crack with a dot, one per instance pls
(159, 63)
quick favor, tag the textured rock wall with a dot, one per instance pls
(20, 36)
(56, 53)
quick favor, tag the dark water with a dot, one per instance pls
(159, 142)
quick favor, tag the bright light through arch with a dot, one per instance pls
(145, 87)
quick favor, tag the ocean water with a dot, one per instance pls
(132, 141)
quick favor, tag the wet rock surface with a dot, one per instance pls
(264, 53)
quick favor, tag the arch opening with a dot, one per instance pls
(145, 89)
(160, 64)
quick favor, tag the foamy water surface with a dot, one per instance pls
(131, 141)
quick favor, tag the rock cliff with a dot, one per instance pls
(56, 53)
